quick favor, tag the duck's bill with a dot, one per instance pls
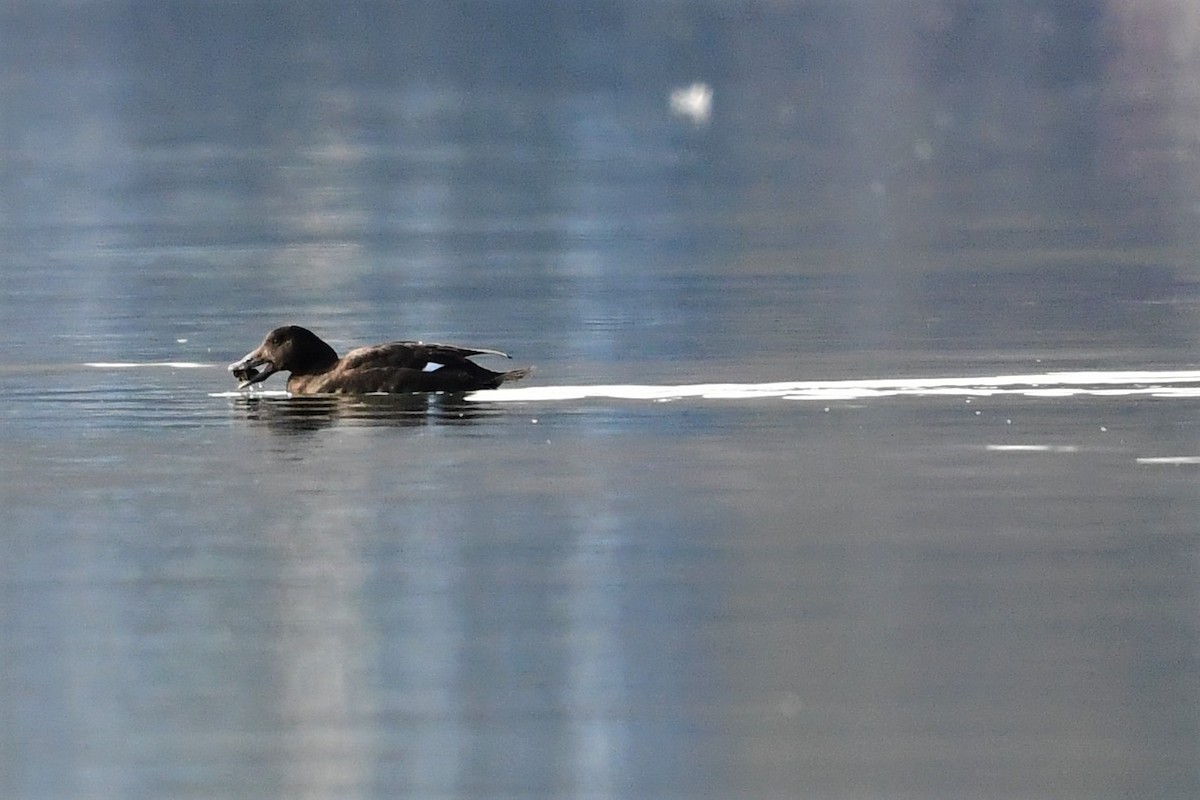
(252, 369)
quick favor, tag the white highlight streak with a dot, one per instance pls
(133, 365)
(1032, 448)
(261, 394)
(1170, 460)
(1046, 385)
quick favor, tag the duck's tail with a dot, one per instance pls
(514, 375)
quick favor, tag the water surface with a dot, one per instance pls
(860, 459)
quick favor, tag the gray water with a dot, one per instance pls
(860, 460)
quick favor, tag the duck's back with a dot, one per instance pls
(421, 356)
(400, 367)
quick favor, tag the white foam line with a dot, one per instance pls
(272, 394)
(1169, 460)
(1049, 384)
(1032, 448)
(137, 364)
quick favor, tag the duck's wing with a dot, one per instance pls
(411, 355)
(451, 352)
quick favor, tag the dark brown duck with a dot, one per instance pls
(395, 367)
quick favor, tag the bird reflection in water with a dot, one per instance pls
(303, 414)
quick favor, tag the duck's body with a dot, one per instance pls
(395, 367)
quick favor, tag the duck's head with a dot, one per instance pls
(286, 349)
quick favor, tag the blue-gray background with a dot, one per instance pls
(205, 596)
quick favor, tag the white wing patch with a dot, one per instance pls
(432, 366)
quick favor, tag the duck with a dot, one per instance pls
(392, 368)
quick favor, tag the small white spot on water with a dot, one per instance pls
(692, 102)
